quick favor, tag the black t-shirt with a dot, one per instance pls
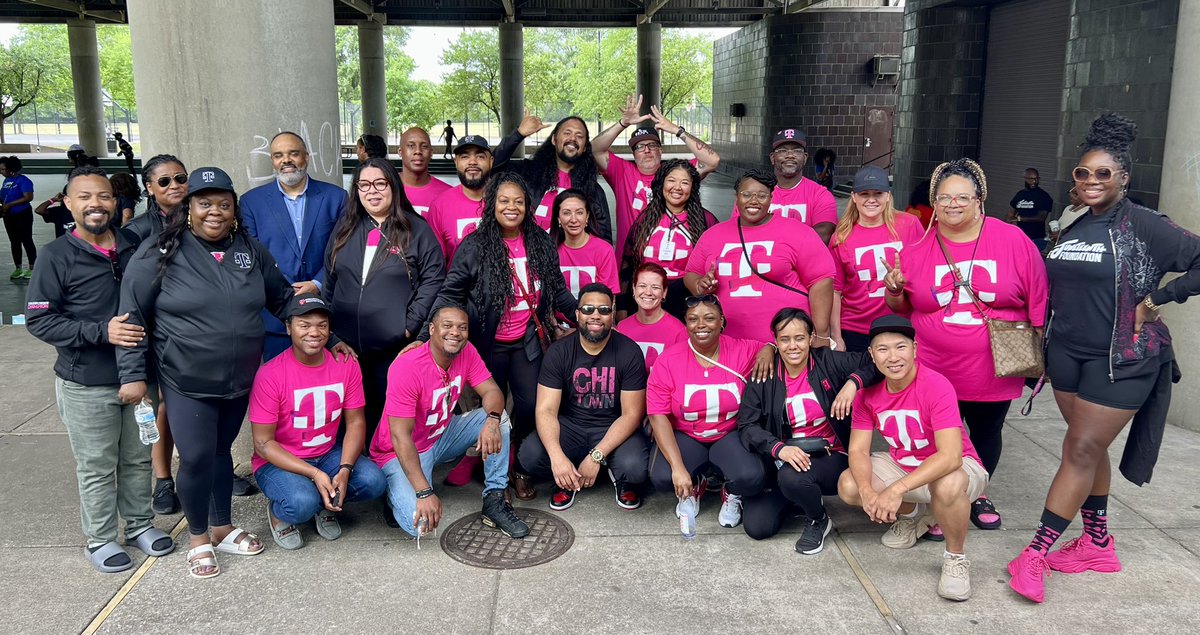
(1083, 292)
(591, 385)
(1029, 203)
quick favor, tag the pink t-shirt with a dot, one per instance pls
(304, 403)
(808, 201)
(374, 237)
(700, 402)
(452, 217)
(631, 190)
(107, 253)
(908, 419)
(419, 389)
(653, 338)
(1007, 273)
(593, 262)
(670, 245)
(546, 208)
(781, 249)
(422, 197)
(805, 413)
(516, 315)
(859, 270)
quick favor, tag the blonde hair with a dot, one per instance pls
(848, 220)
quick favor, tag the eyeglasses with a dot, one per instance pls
(1103, 175)
(647, 147)
(165, 181)
(961, 199)
(588, 309)
(692, 301)
(380, 185)
(754, 196)
(789, 152)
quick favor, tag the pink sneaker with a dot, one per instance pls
(1028, 572)
(1083, 554)
(464, 471)
(934, 534)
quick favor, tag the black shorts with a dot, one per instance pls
(1087, 376)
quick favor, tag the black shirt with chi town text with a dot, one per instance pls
(1083, 292)
(591, 385)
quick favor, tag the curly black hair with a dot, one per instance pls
(396, 229)
(543, 172)
(148, 168)
(650, 217)
(177, 223)
(556, 231)
(496, 276)
(767, 178)
(1113, 134)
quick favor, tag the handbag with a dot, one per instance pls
(811, 445)
(1016, 345)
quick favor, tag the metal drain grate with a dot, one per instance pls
(469, 541)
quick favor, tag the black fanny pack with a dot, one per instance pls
(811, 445)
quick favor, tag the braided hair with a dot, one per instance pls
(495, 273)
(965, 168)
(148, 168)
(543, 173)
(1113, 134)
(656, 208)
(177, 223)
(396, 228)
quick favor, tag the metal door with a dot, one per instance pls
(877, 137)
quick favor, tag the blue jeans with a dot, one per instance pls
(295, 499)
(461, 434)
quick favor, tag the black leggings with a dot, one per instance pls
(515, 373)
(204, 430)
(985, 422)
(856, 342)
(20, 233)
(374, 366)
(763, 515)
(743, 470)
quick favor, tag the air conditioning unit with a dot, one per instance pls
(886, 68)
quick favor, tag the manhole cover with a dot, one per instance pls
(469, 541)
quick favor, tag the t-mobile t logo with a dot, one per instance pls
(651, 351)
(421, 210)
(740, 284)
(797, 409)
(663, 247)
(578, 277)
(902, 429)
(466, 226)
(869, 265)
(794, 210)
(543, 209)
(969, 270)
(709, 404)
(312, 414)
(521, 284)
(641, 196)
(441, 404)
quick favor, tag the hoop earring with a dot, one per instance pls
(189, 221)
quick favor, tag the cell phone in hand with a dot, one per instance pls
(336, 499)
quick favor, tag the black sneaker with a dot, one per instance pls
(561, 499)
(499, 514)
(165, 501)
(813, 539)
(627, 496)
(242, 486)
(389, 517)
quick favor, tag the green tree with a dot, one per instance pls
(21, 77)
(686, 69)
(116, 63)
(46, 45)
(474, 78)
(413, 103)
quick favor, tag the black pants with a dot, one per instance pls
(743, 470)
(856, 342)
(763, 514)
(985, 422)
(129, 163)
(628, 462)
(517, 375)
(20, 234)
(374, 366)
(204, 431)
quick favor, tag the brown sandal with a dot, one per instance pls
(521, 485)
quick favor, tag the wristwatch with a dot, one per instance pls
(680, 133)
(597, 456)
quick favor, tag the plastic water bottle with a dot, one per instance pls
(143, 413)
(687, 517)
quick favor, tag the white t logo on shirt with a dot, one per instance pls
(794, 210)
(440, 407)
(578, 277)
(668, 251)
(744, 272)
(942, 278)
(321, 415)
(898, 428)
(711, 403)
(521, 285)
(871, 259)
(466, 225)
(795, 406)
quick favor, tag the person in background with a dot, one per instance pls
(653, 329)
(1059, 220)
(583, 257)
(78, 156)
(420, 186)
(55, 212)
(124, 150)
(824, 167)
(455, 213)
(129, 194)
(371, 146)
(17, 212)
(919, 204)
(449, 136)
(795, 196)
(1030, 207)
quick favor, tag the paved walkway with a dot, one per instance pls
(628, 572)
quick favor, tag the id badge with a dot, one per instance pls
(666, 251)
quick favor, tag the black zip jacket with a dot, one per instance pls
(763, 421)
(462, 288)
(372, 315)
(74, 293)
(596, 198)
(146, 226)
(204, 317)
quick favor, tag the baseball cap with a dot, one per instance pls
(871, 178)
(892, 324)
(790, 135)
(75, 147)
(209, 179)
(643, 133)
(305, 303)
(472, 140)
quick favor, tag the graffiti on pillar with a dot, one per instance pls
(1191, 167)
(325, 151)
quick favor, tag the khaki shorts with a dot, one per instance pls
(886, 470)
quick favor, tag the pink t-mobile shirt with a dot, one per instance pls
(1008, 274)
(670, 245)
(908, 419)
(781, 249)
(452, 217)
(593, 262)
(807, 201)
(516, 314)
(545, 209)
(304, 403)
(631, 190)
(422, 197)
(700, 402)
(653, 338)
(805, 413)
(859, 270)
(419, 389)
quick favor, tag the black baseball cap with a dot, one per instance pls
(472, 141)
(209, 179)
(644, 133)
(892, 324)
(871, 178)
(305, 303)
(789, 135)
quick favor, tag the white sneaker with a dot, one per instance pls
(731, 509)
(905, 531)
(955, 583)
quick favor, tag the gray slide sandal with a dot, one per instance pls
(108, 550)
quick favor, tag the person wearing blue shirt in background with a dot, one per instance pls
(15, 195)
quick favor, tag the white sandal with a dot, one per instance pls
(232, 544)
(196, 562)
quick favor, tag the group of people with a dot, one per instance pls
(376, 333)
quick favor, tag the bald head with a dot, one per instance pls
(415, 153)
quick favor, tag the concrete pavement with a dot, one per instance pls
(627, 572)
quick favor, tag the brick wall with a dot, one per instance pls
(740, 77)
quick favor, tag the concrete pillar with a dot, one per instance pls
(216, 79)
(1180, 190)
(649, 64)
(372, 79)
(512, 79)
(85, 76)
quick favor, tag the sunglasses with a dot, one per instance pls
(1103, 175)
(165, 181)
(692, 301)
(588, 309)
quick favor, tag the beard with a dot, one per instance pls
(569, 160)
(597, 337)
(95, 230)
(471, 184)
(291, 179)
